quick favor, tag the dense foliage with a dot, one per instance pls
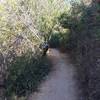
(84, 43)
(66, 25)
(24, 24)
(25, 74)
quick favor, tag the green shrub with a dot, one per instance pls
(60, 38)
(25, 74)
(54, 40)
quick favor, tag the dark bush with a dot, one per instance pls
(54, 40)
(84, 42)
(25, 74)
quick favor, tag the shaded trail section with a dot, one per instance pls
(61, 83)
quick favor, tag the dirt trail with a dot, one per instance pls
(61, 83)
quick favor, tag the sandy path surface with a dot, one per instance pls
(61, 83)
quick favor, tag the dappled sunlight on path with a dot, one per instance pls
(61, 83)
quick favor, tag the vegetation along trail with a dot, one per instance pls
(61, 83)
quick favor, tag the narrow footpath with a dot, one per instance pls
(61, 83)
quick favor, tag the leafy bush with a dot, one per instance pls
(25, 74)
(54, 41)
(59, 36)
